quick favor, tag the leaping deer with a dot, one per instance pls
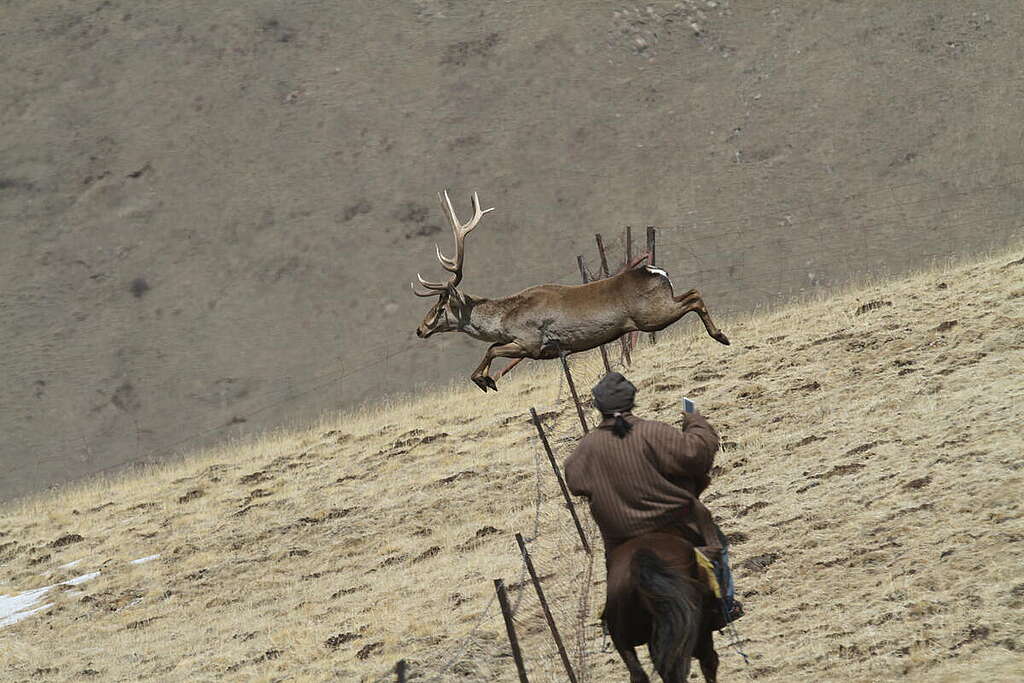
(544, 321)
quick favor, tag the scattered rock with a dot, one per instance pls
(736, 537)
(863, 447)
(428, 553)
(255, 478)
(759, 562)
(333, 513)
(948, 325)
(918, 483)
(872, 305)
(191, 495)
(335, 641)
(368, 651)
(752, 508)
(460, 54)
(838, 336)
(807, 440)
(706, 376)
(66, 539)
(139, 287)
(840, 470)
(268, 655)
(141, 623)
(464, 474)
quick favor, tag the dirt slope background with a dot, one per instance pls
(870, 482)
(211, 211)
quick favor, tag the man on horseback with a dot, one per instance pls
(643, 476)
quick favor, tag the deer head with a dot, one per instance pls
(450, 311)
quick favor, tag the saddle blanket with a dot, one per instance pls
(707, 568)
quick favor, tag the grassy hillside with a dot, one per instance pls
(870, 481)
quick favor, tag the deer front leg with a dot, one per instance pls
(692, 301)
(481, 376)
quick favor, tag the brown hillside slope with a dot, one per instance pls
(871, 483)
(210, 207)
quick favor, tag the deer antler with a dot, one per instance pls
(452, 265)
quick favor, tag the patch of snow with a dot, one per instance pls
(147, 558)
(14, 608)
(69, 565)
(82, 579)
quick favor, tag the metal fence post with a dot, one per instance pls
(506, 611)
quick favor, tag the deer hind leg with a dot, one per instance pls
(481, 376)
(692, 301)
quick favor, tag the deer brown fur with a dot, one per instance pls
(544, 321)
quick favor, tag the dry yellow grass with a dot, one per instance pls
(871, 480)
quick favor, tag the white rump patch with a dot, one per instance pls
(659, 271)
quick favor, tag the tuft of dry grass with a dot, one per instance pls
(871, 481)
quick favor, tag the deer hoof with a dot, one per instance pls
(480, 382)
(720, 337)
(490, 383)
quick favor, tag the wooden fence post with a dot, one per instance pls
(561, 482)
(650, 250)
(547, 611)
(604, 257)
(585, 279)
(506, 611)
(575, 396)
(623, 340)
(629, 257)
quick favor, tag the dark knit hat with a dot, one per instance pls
(614, 394)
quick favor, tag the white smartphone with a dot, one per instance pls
(689, 406)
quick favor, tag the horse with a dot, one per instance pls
(655, 596)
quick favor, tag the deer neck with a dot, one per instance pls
(481, 319)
